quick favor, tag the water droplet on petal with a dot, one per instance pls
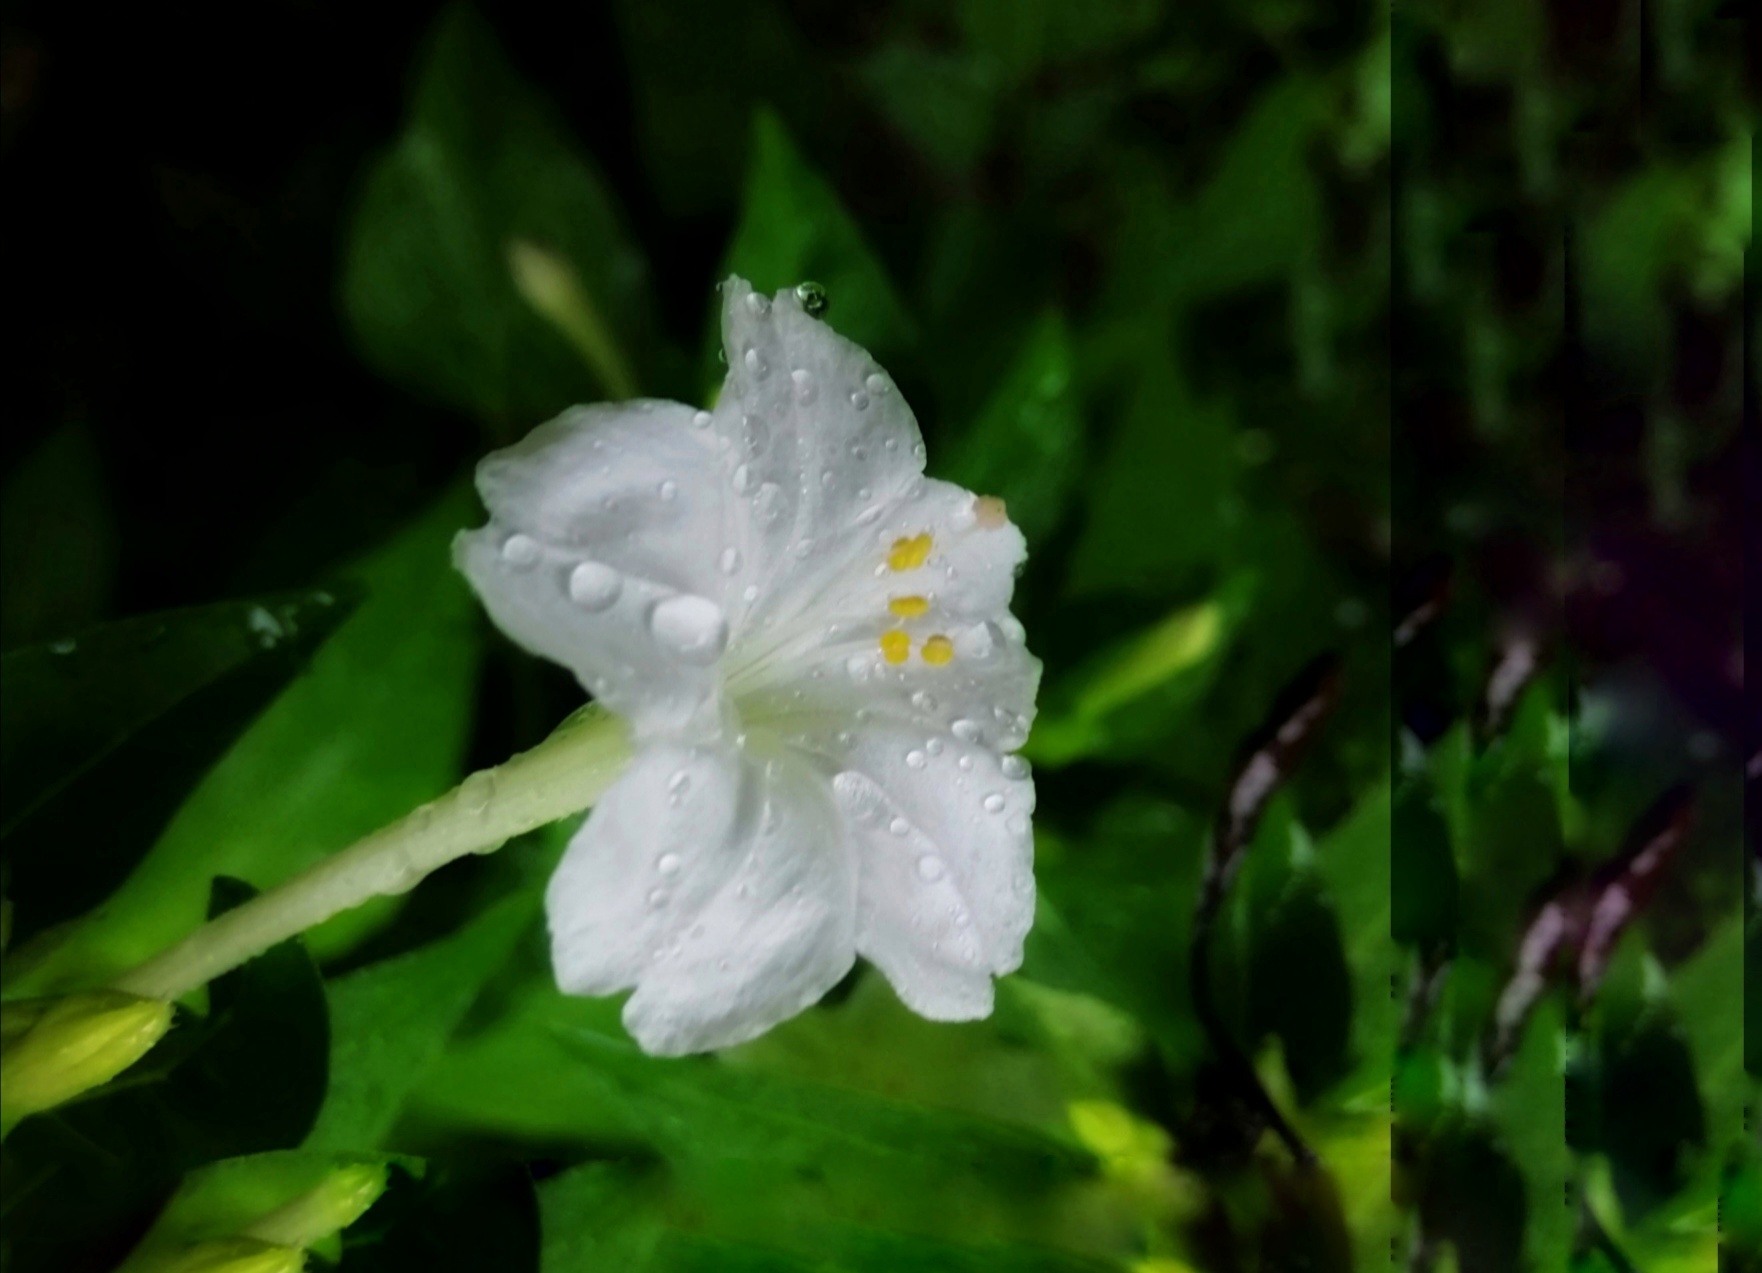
(521, 551)
(924, 701)
(729, 562)
(915, 759)
(657, 899)
(756, 365)
(743, 480)
(876, 383)
(930, 868)
(1014, 767)
(994, 803)
(701, 420)
(768, 504)
(857, 665)
(860, 400)
(899, 826)
(965, 730)
(758, 303)
(750, 593)
(594, 586)
(691, 628)
(804, 385)
(965, 762)
(813, 298)
(667, 864)
(934, 746)
(669, 490)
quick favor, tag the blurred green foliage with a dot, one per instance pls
(1245, 309)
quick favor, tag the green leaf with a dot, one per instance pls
(1529, 1117)
(793, 229)
(81, 1181)
(391, 1020)
(104, 734)
(1027, 443)
(1354, 862)
(1422, 902)
(485, 170)
(1025, 35)
(1131, 692)
(1707, 992)
(376, 727)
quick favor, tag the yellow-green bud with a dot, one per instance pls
(54, 1052)
(335, 1204)
(231, 1255)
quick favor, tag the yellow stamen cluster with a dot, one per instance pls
(938, 650)
(909, 607)
(896, 646)
(910, 553)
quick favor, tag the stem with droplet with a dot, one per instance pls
(565, 774)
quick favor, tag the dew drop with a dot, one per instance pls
(857, 666)
(965, 730)
(804, 385)
(1015, 768)
(521, 551)
(756, 365)
(899, 826)
(758, 303)
(813, 298)
(750, 593)
(667, 864)
(876, 383)
(924, 701)
(966, 763)
(701, 420)
(691, 628)
(594, 586)
(680, 783)
(915, 759)
(743, 480)
(729, 562)
(669, 490)
(768, 504)
(994, 803)
(657, 899)
(934, 746)
(930, 868)
(859, 400)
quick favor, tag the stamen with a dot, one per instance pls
(896, 646)
(909, 607)
(909, 554)
(938, 650)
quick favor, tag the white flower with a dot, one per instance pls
(813, 647)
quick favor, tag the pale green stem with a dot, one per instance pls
(562, 775)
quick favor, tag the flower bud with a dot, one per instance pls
(71, 1046)
(230, 1255)
(336, 1203)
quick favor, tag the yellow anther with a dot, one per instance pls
(909, 607)
(909, 554)
(896, 646)
(990, 513)
(938, 650)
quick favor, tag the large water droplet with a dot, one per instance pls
(930, 868)
(876, 383)
(899, 826)
(1015, 768)
(690, 628)
(859, 400)
(521, 551)
(965, 730)
(701, 420)
(966, 763)
(594, 586)
(756, 365)
(994, 803)
(729, 562)
(669, 490)
(743, 480)
(667, 864)
(915, 759)
(813, 298)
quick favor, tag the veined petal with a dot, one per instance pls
(821, 447)
(716, 882)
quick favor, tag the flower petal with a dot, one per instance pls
(716, 882)
(821, 446)
(600, 555)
